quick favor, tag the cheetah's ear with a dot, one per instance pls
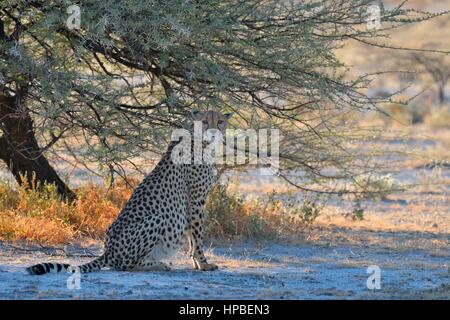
(196, 115)
(228, 115)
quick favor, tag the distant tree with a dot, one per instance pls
(437, 66)
(133, 69)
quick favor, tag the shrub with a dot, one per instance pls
(375, 186)
(233, 216)
(357, 212)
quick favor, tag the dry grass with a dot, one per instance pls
(34, 214)
(413, 217)
(231, 216)
(439, 117)
(29, 215)
(39, 216)
(429, 145)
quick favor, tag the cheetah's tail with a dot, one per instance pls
(43, 268)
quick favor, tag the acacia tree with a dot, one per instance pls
(437, 66)
(135, 68)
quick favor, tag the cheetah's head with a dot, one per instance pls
(211, 119)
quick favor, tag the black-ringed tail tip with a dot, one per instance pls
(43, 268)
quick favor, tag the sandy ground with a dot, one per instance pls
(249, 271)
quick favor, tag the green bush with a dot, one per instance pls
(374, 186)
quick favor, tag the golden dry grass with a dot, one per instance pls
(39, 216)
(29, 214)
(413, 217)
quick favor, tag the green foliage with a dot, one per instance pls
(221, 205)
(309, 211)
(357, 212)
(306, 212)
(375, 186)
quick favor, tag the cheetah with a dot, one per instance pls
(164, 212)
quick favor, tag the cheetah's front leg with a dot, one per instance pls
(195, 236)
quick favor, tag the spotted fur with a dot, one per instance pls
(164, 211)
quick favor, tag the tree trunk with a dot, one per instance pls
(441, 94)
(20, 151)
